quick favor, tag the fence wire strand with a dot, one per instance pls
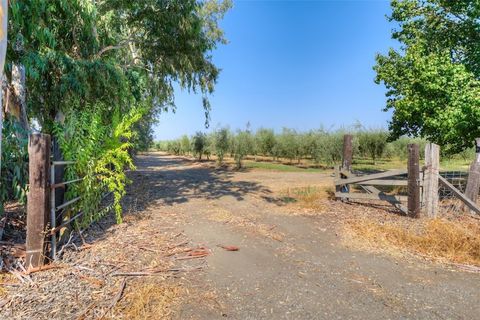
(448, 202)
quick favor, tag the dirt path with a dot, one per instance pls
(289, 266)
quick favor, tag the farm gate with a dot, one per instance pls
(420, 183)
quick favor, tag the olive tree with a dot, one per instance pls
(372, 143)
(329, 147)
(265, 141)
(221, 144)
(243, 145)
(185, 145)
(199, 143)
(289, 144)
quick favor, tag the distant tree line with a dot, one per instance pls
(320, 146)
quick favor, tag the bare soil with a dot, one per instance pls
(293, 262)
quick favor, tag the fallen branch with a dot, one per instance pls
(467, 267)
(199, 252)
(117, 298)
(43, 268)
(155, 272)
(178, 245)
(148, 249)
(82, 314)
(229, 248)
(177, 252)
(9, 284)
(3, 302)
(203, 255)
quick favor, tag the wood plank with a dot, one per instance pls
(38, 204)
(430, 190)
(371, 196)
(390, 182)
(397, 204)
(469, 203)
(473, 182)
(377, 182)
(413, 180)
(368, 177)
(347, 152)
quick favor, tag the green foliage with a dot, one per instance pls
(101, 153)
(209, 145)
(14, 170)
(243, 145)
(372, 143)
(265, 141)
(288, 144)
(329, 148)
(432, 81)
(185, 145)
(398, 148)
(110, 67)
(221, 143)
(319, 146)
(199, 143)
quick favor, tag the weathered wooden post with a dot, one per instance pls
(38, 199)
(413, 181)
(430, 180)
(347, 158)
(347, 152)
(473, 182)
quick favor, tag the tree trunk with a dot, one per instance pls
(19, 90)
(3, 51)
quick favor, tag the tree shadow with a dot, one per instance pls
(166, 181)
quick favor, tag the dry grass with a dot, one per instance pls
(308, 197)
(451, 241)
(150, 301)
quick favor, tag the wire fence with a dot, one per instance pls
(449, 203)
(58, 217)
(56, 212)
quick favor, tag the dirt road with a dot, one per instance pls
(289, 266)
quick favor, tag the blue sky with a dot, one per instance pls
(296, 64)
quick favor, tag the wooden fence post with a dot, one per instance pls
(430, 180)
(38, 199)
(413, 181)
(347, 152)
(473, 182)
